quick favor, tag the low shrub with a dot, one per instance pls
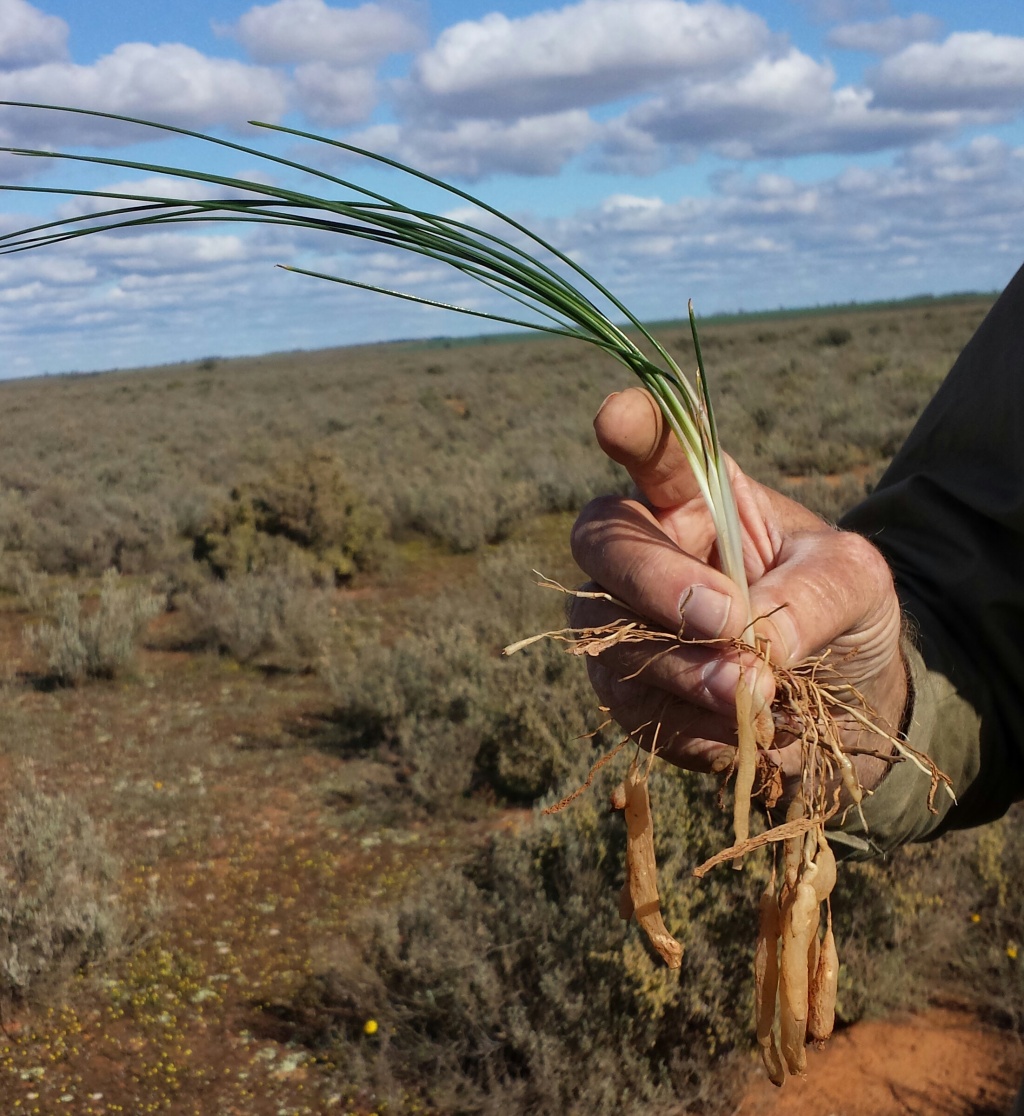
(302, 515)
(835, 336)
(99, 644)
(981, 873)
(75, 531)
(268, 617)
(59, 907)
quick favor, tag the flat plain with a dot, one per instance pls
(302, 789)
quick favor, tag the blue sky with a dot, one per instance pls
(749, 155)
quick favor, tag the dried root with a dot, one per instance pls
(809, 968)
(821, 1017)
(639, 897)
(766, 982)
(796, 968)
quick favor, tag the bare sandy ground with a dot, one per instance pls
(941, 1063)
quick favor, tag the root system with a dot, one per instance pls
(796, 964)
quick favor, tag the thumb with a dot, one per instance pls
(632, 431)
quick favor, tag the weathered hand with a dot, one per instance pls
(812, 588)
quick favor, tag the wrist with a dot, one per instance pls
(889, 707)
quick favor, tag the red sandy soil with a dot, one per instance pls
(940, 1063)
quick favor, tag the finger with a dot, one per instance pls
(631, 430)
(829, 588)
(702, 674)
(685, 735)
(622, 547)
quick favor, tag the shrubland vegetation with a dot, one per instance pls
(273, 591)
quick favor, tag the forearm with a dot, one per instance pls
(949, 518)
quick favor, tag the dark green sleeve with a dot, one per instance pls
(949, 517)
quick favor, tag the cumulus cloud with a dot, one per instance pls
(783, 106)
(335, 97)
(291, 31)
(584, 54)
(939, 218)
(472, 149)
(885, 36)
(29, 36)
(769, 95)
(172, 83)
(970, 70)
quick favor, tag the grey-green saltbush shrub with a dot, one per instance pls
(87, 532)
(59, 907)
(260, 617)
(512, 986)
(98, 644)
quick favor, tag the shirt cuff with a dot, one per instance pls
(941, 726)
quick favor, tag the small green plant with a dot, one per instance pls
(59, 907)
(100, 643)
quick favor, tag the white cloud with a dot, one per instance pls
(772, 93)
(473, 149)
(585, 54)
(290, 31)
(29, 36)
(938, 219)
(885, 36)
(172, 83)
(779, 107)
(335, 97)
(970, 70)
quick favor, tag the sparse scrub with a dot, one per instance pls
(829, 497)
(97, 644)
(59, 906)
(164, 447)
(178, 443)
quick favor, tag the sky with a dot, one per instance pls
(756, 155)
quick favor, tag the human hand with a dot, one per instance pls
(813, 589)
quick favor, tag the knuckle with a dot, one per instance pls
(866, 558)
